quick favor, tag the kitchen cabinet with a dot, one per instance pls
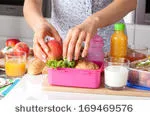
(142, 35)
(138, 34)
(14, 27)
(11, 26)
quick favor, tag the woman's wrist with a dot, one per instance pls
(94, 21)
(42, 22)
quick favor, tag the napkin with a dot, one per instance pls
(5, 90)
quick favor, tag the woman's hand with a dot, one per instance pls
(40, 48)
(75, 37)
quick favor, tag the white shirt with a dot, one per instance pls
(69, 13)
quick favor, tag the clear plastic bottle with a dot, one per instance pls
(119, 42)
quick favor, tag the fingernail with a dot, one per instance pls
(44, 56)
(83, 55)
(46, 50)
(75, 58)
(44, 60)
(69, 58)
(64, 57)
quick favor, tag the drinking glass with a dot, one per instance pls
(116, 73)
(15, 64)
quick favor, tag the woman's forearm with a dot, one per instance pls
(114, 12)
(33, 13)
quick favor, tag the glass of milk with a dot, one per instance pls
(116, 73)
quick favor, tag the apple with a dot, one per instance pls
(21, 53)
(11, 42)
(133, 76)
(55, 50)
(21, 47)
(144, 76)
(148, 83)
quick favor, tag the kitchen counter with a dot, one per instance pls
(31, 88)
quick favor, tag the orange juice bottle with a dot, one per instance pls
(119, 41)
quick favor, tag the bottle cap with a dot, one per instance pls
(119, 26)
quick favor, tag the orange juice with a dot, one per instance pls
(15, 68)
(15, 64)
(119, 42)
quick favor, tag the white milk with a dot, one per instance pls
(116, 76)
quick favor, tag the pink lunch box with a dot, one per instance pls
(75, 77)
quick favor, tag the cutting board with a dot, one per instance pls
(102, 90)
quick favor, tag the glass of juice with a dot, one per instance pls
(15, 64)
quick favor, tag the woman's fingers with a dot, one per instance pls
(57, 36)
(40, 47)
(66, 43)
(43, 45)
(55, 33)
(38, 52)
(87, 45)
(79, 45)
(72, 44)
(39, 39)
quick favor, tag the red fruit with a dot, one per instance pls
(16, 54)
(12, 42)
(22, 47)
(148, 83)
(19, 53)
(133, 76)
(141, 83)
(55, 50)
(144, 76)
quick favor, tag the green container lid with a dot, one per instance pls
(119, 26)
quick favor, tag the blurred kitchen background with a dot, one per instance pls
(13, 25)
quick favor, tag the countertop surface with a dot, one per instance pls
(30, 88)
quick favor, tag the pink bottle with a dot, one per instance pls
(95, 52)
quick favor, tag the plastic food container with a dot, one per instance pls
(75, 77)
(137, 53)
(95, 52)
(138, 78)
